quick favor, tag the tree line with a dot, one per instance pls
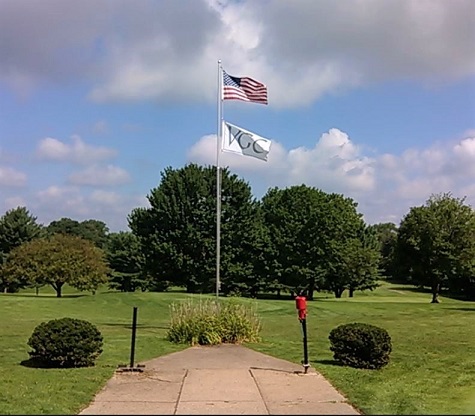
(292, 239)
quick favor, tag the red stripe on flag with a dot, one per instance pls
(249, 90)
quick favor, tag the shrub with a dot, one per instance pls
(65, 342)
(209, 322)
(360, 345)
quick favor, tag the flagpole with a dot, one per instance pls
(218, 178)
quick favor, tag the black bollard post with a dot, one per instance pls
(132, 367)
(134, 330)
(305, 348)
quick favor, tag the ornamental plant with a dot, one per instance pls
(209, 322)
(360, 345)
(65, 342)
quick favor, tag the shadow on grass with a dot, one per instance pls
(425, 290)
(464, 309)
(284, 296)
(129, 326)
(413, 289)
(33, 295)
(329, 362)
(32, 363)
(272, 296)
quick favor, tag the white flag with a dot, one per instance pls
(238, 140)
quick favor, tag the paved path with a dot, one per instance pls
(219, 380)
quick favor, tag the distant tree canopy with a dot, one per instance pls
(362, 261)
(56, 260)
(436, 246)
(126, 260)
(92, 230)
(178, 231)
(293, 239)
(386, 234)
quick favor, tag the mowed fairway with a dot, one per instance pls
(432, 368)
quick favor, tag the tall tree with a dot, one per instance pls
(178, 231)
(310, 231)
(126, 261)
(436, 244)
(363, 261)
(351, 254)
(290, 216)
(17, 226)
(57, 260)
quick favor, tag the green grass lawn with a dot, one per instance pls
(432, 368)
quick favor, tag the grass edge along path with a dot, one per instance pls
(432, 368)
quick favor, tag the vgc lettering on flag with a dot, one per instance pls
(244, 142)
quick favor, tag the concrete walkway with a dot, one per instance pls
(219, 380)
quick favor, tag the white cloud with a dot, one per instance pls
(167, 50)
(55, 202)
(385, 186)
(105, 198)
(77, 152)
(14, 202)
(61, 200)
(10, 177)
(464, 153)
(334, 164)
(100, 176)
(39, 45)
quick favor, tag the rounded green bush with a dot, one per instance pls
(65, 342)
(360, 345)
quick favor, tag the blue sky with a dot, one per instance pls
(372, 99)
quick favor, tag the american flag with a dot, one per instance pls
(245, 89)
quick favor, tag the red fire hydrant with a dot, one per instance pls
(301, 305)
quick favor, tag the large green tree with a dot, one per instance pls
(92, 230)
(178, 231)
(436, 245)
(290, 216)
(351, 255)
(57, 260)
(311, 233)
(126, 260)
(17, 226)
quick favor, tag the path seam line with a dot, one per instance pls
(259, 390)
(179, 393)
